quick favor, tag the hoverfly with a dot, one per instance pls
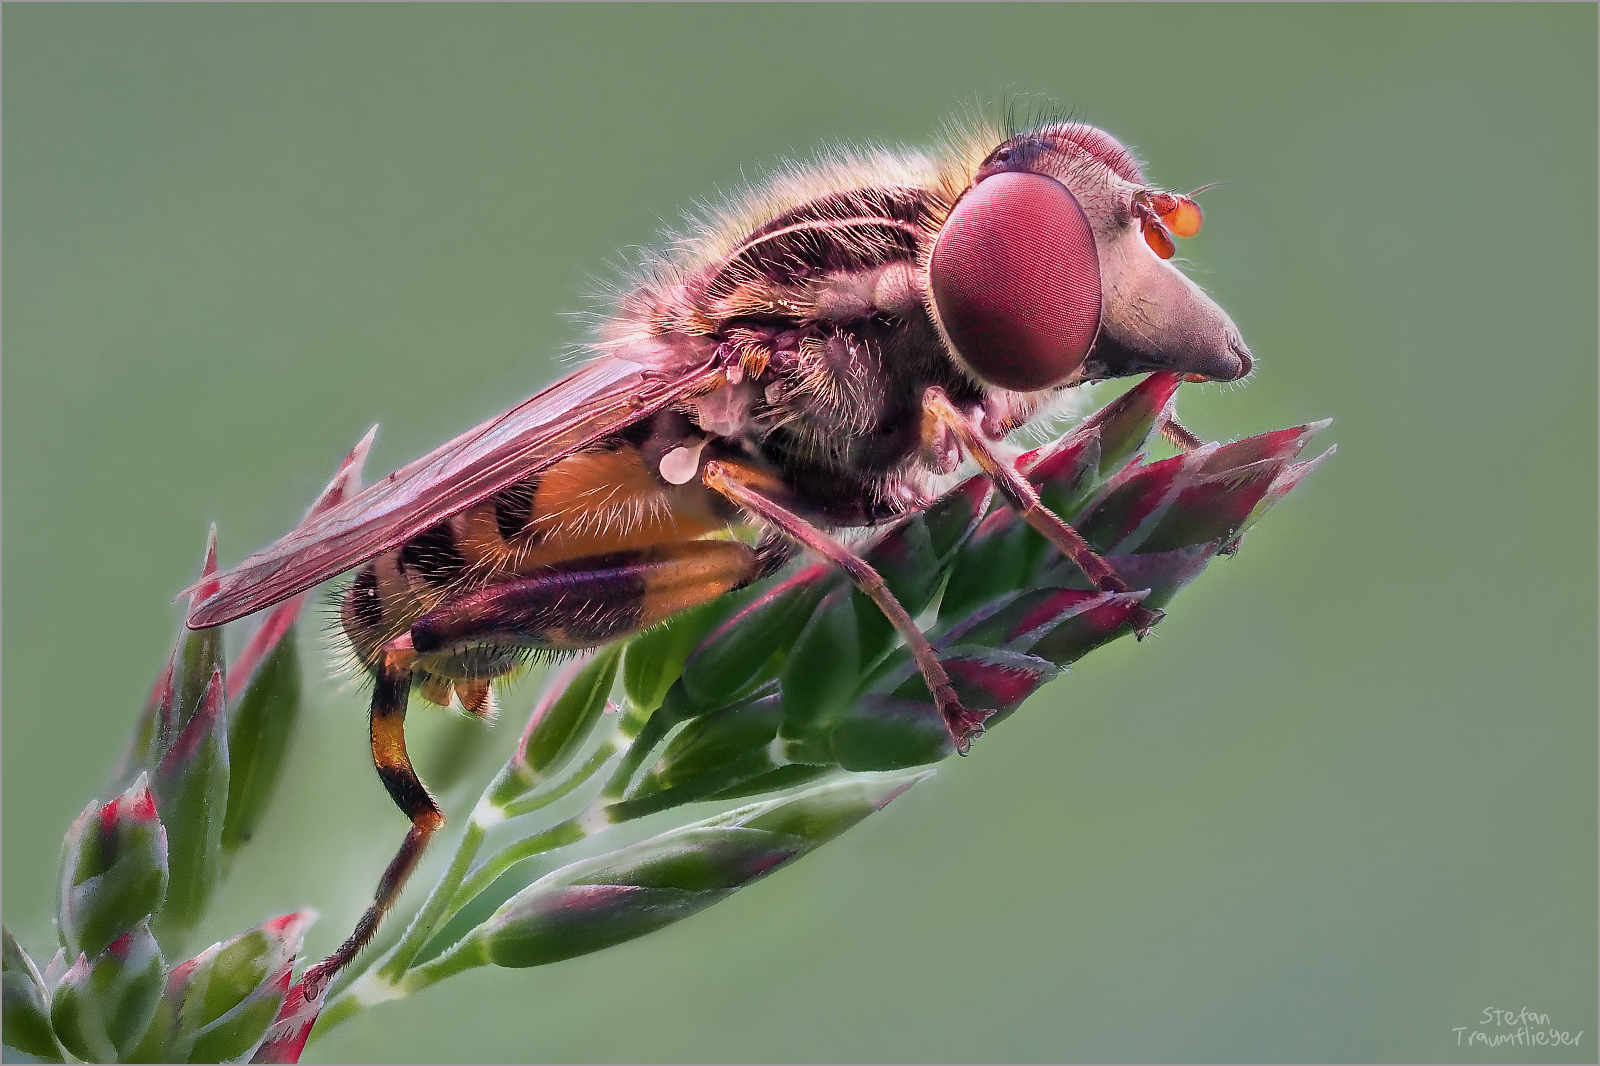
(815, 357)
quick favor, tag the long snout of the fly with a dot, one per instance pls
(1155, 318)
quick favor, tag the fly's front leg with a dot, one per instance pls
(389, 698)
(741, 485)
(1022, 496)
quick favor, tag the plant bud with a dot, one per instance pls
(1065, 470)
(575, 698)
(262, 721)
(217, 1006)
(25, 1017)
(739, 652)
(1000, 558)
(191, 789)
(823, 670)
(606, 900)
(655, 658)
(1128, 424)
(1067, 622)
(559, 727)
(896, 724)
(180, 691)
(103, 1006)
(113, 870)
(710, 756)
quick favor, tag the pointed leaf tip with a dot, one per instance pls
(204, 587)
(346, 481)
(194, 731)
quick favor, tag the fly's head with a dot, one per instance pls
(1052, 270)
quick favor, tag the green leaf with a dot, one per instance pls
(1000, 558)
(191, 790)
(180, 691)
(713, 754)
(260, 728)
(655, 658)
(1067, 473)
(1129, 423)
(908, 563)
(560, 728)
(952, 518)
(886, 733)
(823, 671)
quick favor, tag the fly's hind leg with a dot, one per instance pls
(389, 698)
(742, 486)
(1022, 496)
(587, 602)
(581, 604)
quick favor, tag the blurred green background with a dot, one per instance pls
(1344, 801)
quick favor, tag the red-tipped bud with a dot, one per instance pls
(191, 788)
(218, 1006)
(612, 898)
(103, 1006)
(113, 870)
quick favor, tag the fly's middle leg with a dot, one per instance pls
(1022, 496)
(744, 487)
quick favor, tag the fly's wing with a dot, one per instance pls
(567, 417)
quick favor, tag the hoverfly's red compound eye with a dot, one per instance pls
(1016, 282)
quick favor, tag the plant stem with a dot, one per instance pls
(427, 919)
(465, 954)
(559, 835)
(529, 804)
